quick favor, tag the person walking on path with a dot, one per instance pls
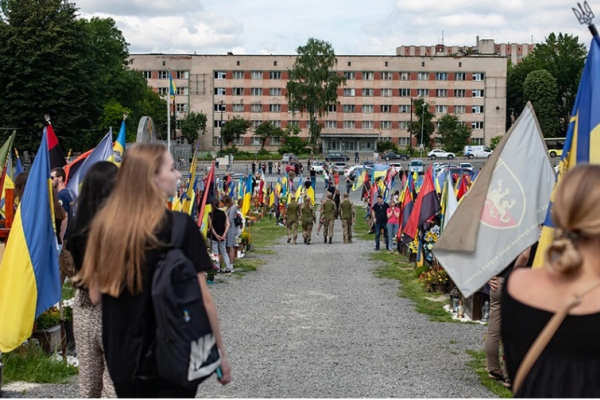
(329, 212)
(126, 241)
(253, 167)
(313, 178)
(393, 214)
(348, 216)
(356, 158)
(292, 216)
(349, 183)
(218, 226)
(233, 230)
(326, 178)
(307, 218)
(379, 215)
(270, 164)
(336, 179)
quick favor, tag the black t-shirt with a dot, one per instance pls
(313, 173)
(128, 324)
(381, 213)
(218, 218)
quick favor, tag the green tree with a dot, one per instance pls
(153, 106)
(313, 83)
(233, 129)
(424, 123)
(267, 130)
(193, 125)
(295, 144)
(541, 89)
(495, 141)
(453, 134)
(515, 98)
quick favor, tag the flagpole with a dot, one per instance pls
(585, 15)
(169, 114)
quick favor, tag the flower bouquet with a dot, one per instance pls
(215, 267)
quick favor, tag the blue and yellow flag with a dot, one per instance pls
(18, 166)
(360, 179)
(247, 198)
(29, 274)
(582, 144)
(119, 146)
(172, 87)
(188, 198)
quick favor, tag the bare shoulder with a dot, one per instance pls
(527, 283)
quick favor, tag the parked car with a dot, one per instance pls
(339, 167)
(391, 155)
(397, 166)
(353, 169)
(439, 153)
(317, 166)
(336, 157)
(368, 164)
(417, 166)
(289, 158)
(466, 165)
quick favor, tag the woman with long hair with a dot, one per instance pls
(20, 181)
(569, 365)
(94, 380)
(233, 231)
(127, 238)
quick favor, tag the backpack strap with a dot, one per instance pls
(178, 229)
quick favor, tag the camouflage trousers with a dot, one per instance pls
(328, 228)
(292, 230)
(347, 230)
(307, 231)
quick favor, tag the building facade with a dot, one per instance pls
(375, 104)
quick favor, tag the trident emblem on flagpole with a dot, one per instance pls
(585, 15)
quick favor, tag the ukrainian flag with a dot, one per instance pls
(19, 166)
(247, 199)
(29, 274)
(189, 196)
(172, 87)
(360, 179)
(119, 146)
(582, 145)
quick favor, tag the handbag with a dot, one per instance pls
(67, 264)
(544, 338)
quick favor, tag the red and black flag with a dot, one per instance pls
(56, 156)
(426, 206)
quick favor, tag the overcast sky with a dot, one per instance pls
(352, 27)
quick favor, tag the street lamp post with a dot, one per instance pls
(411, 124)
(422, 126)
(221, 126)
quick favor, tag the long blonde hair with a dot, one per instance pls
(576, 215)
(126, 226)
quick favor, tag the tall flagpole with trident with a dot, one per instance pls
(585, 15)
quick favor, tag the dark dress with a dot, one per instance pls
(568, 367)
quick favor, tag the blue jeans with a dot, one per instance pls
(218, 247)
(313, 182)
(326, 183)
(392, 230)
(378, 228)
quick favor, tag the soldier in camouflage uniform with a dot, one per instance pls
(308, 218)
(348, 216)
(328, 211)
(292, 217)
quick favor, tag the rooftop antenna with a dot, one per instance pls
(442, 37)
(585, 15)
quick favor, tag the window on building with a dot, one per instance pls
(519, 56)
(349, 108)
(275, 75)
(256, 75)
(238, 108)
(350, 76)
(275, 107)
(163, 74)
(460, 93)
(441, 76)
(274, 63)
(386, 108)
(182, 75)
(368, 92)
(477, 125)
(349, 92)
(386, 76)
(404, 108)
(478, 93)
(275, 91)
(477, 109)
(403, 142)
(238, 91)
(275, 141)
(181, 107)
(477, 141)
(218, 123)
(330, 124)
(441, 93)
(147, 74)
(404, 76)
(367, 124)
(238, 74)
(256, 91)
(385, 124)
(218, 91)
(367, 109)
(219, 107)
(403, 125)
(441, 109)
(256, 107)
(386, 92)
(349, 124)
(182, 91)
(276, 124)
(220, 74)
(423, 76)
(331, 108)
(479, 76)
(422, 92)
(256, 123)
(460, 109)
(368, 76)
(293, 122)
(404, 92)
(163, 91)
(216, 141)
(459, 76)
(256, 141)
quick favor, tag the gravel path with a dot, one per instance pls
(315, 322)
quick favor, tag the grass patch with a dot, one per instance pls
(29, 363)
(265, 234)
(397, 268)
(361, 226)
(479, 364)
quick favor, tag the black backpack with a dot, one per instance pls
(185, 347)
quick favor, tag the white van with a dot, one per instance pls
(477, 151)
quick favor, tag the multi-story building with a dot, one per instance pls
(514, 51)
(375, 104)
